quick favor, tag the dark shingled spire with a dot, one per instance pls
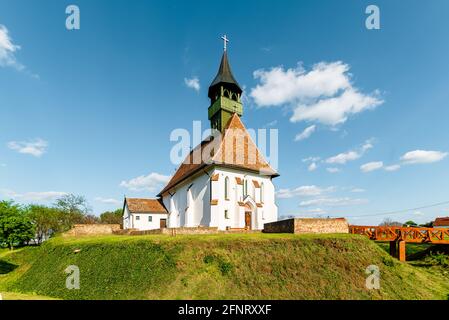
(224, 77)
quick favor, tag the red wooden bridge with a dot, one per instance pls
(399, 236)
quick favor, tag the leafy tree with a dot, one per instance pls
(112, 217)
(8, 208)
(427, 225)
(46, 221)
(410, 223)
(15, 227)
(73, 210)
(72, 204)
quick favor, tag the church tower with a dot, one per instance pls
(225, 95)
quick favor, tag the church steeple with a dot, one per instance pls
(225, 94)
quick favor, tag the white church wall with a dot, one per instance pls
(236, 219)
(190, 204)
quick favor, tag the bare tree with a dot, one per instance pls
(390, 223)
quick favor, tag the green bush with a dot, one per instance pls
(439, 259)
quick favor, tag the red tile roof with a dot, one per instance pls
(441, 222)
(235, 149)
(136, 205)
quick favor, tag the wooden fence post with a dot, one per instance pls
(393, 249)
(401, 249)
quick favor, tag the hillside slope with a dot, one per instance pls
(256, 266)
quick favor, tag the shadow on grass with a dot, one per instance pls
(6, 267)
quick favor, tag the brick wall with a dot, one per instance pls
(92, 229)
(308, 225)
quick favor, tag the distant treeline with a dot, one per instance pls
(22, 224)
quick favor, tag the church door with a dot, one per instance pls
(163, 223)
(248, 220)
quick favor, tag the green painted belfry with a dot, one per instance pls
(225, 96)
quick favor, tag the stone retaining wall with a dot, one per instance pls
(92, 229)
(308, 225)
(182, 231)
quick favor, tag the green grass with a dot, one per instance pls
(23, 296)
(234, 266)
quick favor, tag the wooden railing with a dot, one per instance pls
(407, 234)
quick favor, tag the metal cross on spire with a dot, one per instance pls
(225, 40)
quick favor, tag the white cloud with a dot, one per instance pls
(108, 201)
(312, 167)
(333, 170)
(342, 158)
(8, 50)
(372, 166)
(422, 156)
(303, 191)
(33, 196)
(36, 147)
(393, 167)
(151, 182)
(324, 94)
(358, 190)
(278, 86)
(311, 159)
(334, 111)
(306, 133)
(332, 202)
(352, 155)
(193, 83)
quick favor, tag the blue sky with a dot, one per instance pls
(88, 111)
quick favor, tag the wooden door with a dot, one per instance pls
(248, 220)
(163, 223)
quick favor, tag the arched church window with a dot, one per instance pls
(261, 192)
(226, 188)
(245, 188)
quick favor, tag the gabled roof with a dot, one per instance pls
(441, 222)
(225, 76)
(138, 205)
(235, 149)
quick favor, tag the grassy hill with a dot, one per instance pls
(253, 266)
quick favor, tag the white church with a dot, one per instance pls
(224, 182)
